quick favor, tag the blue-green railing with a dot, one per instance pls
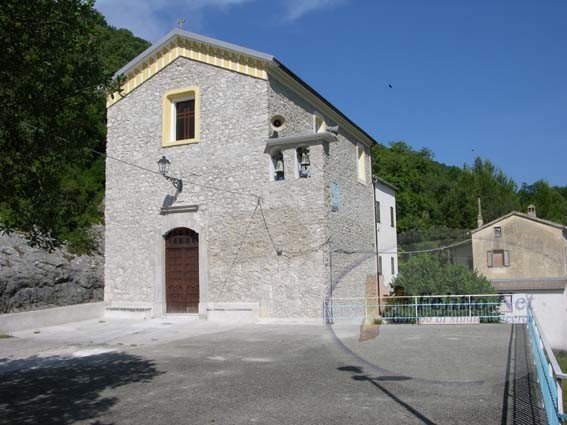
(549, 373)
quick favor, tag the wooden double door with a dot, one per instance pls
(182, 271)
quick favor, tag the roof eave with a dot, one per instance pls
(359, 133)
(521, 215)
(177, 32)
(385, 183)
(369, 139)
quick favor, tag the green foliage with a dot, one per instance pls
(417, 176)
(116, 47)
(431, 237)
(550, 202)
(434, 195)
(423, 274)
(57, 57)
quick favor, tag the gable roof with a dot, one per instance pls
(228, 56)
(521, 215)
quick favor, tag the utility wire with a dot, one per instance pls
(207, 186)
(278, 252)
(307, 251)
(236, 255)
(144, 168)
(344, 251)
(288, 254)
(437, 249)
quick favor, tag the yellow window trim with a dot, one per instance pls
(169, 99)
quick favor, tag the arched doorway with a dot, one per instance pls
(182, 271)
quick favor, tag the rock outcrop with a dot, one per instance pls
(32, 278)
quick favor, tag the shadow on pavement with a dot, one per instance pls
(359, 375)
(63, 390)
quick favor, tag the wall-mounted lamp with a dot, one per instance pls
(163, 165)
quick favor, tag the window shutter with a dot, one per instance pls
(377, 212)
(506, 258)
(380, 264)
(489, 258)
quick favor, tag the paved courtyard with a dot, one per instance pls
(178, 371)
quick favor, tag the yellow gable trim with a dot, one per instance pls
(193, 50)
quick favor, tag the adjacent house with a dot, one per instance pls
(386, 232)
(521, 251)
(525, 255)
(268, 177)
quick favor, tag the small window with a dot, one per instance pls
(498, 232)
(185, 120)
(180, 117)
(361, 163)
(392, 217)
(393, 265)
(377, 212)
(379, 264)
(498, 258)
(319, 125)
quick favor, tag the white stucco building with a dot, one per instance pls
(272, 176)
(386, 231)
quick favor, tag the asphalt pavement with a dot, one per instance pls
(176, 371)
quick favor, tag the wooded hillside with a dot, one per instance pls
(435, 194)
(59, 57)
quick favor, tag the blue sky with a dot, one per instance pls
(469, 77)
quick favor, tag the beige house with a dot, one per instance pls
(521, 252)
(526, 256)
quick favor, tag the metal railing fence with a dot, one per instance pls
(550, 375)
(412, 309)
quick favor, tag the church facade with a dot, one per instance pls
(234, 190)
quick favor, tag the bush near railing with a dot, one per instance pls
(409, 309)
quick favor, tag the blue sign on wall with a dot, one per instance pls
(335, 196)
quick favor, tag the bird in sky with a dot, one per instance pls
(389, 85)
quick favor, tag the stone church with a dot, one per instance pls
(234, 190)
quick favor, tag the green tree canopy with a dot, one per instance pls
(57, 57)
(434, 195)
(423, 274)
(550, 202)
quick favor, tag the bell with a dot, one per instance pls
(279, 166)
(305, 162)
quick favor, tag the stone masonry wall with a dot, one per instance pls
(351, 228)
(230, 156)
(352, 225)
